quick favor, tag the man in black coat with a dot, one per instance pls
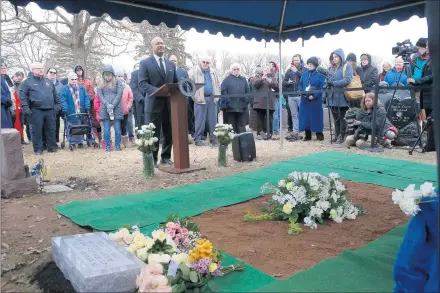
(138, 97)
(426, 102)
(154, 72)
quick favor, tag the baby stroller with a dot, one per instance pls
(78, 130)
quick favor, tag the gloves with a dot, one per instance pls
(110, 107)
(8, 103)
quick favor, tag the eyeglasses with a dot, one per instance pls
(175, 61)
(205, 62)
(52, 72)
(120, 76)
(236, 69)
(74, 79)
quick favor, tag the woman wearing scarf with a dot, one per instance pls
(74, 100)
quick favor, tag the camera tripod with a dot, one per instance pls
(429, 123)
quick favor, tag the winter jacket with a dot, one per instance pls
(426, 79)
(235, 85)
(97, 107)
(111, 96)
(6, 104)
(263, 87)
(38, 93)
(134, 85)
(420, 61)
(368, 74)
(366, 119)
(181, 73)
(86, 83)
(127, 99)
(311, 113)
(291, 79)
(197, 76)
(382, 76)
(337, 99)
(67, 101)
(392, 77)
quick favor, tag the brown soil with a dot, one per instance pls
(267, 246)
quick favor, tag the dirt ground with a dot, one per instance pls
(267, 246)
(28, 223)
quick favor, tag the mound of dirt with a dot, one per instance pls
(267, 246)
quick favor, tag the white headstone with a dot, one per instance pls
(95, 263)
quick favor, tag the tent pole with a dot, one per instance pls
(280, 76)
(280, 84)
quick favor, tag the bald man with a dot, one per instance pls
(40, 102)
(154, 72)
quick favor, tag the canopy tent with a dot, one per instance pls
(262, 20)
(268, 20)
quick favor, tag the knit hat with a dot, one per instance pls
(72, 75)
(314, 61)
(351, 57)
(108, 68)
(258, 70)
(422, 42)
(119, 72)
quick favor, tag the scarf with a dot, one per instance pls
(75, 96)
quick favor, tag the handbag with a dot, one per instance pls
(355, 83)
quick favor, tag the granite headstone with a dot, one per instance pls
(14, 182)
(95, 263)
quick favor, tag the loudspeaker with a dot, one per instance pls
(243, 147)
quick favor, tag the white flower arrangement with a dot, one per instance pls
(309, 198)
(224, 134)
(410, 198)
(146, 141)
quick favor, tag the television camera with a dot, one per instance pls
(404, 49)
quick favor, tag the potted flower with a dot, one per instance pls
(224, 134)
(146, 143)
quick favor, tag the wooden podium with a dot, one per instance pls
(179, 126)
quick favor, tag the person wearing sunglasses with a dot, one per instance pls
(52, 74)
(40, 101)
(205, 105)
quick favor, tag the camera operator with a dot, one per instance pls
(363, 123)
(426, 99)
(419, 59)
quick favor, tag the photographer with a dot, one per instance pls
(426, 99)
(363, 123)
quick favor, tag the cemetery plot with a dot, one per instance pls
(267, 246)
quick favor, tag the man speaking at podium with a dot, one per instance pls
(154, 72)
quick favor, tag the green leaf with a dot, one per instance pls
(193, 277)
(178, 288)
(196, 290)
(185, 271)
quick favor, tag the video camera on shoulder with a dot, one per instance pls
(404, 49)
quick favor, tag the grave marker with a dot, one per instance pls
(95, 263)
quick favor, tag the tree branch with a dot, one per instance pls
(67, 22)
(92, 36)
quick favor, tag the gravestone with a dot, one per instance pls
(95, 263)
(14, 181)
(402, 113)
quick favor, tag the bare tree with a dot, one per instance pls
(20, 56)
(377, 61)
(212, 54)
(78, 32)
(247, 63)
(172, 37)
(195, 58)
(226, 61)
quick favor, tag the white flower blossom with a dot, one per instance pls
(427, 189)
(310, 223)
(333, 175)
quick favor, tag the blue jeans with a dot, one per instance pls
(117, 126)
(276, 117)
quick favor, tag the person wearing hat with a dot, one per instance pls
(74, 100)
(419, 59)
(6, 98)
(311, 113)
(110, 96)
(262, 84)
(40, 101)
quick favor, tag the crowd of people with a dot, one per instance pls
(36, 105)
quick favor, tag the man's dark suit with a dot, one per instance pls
(158, 109)
(138, 105)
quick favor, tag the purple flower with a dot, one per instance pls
(218, 272)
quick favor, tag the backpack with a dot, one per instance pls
(355, 83)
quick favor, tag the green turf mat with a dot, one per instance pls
(152, 207)
(367, 269)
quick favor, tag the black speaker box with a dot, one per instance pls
(243, 147)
